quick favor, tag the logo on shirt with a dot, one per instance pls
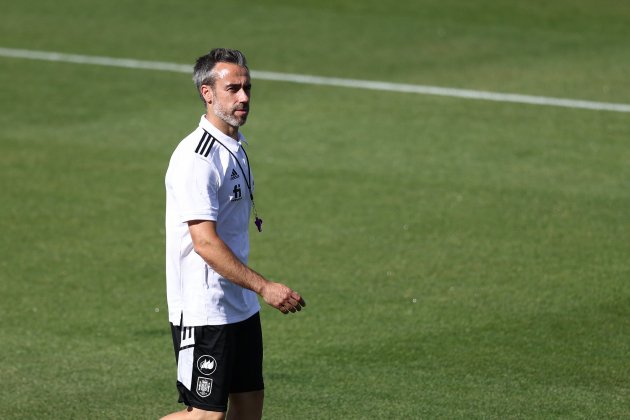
(204, 386)
(237, 195)
(234, 175)
(206, 365)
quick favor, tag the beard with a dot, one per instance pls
(227, 114)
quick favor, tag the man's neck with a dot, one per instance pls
(222, 126)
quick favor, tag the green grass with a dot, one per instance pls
(460, 259)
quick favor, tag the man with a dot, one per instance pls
(213, 308)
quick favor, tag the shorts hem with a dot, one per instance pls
(205, 407)
(184, 398)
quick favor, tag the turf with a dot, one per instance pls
(460, 259)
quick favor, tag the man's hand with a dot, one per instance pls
(282, 298)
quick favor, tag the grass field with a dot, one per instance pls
(460, 258)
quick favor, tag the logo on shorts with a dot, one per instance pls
(204, 387)
(206, 365)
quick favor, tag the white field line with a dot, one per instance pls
(326, 81)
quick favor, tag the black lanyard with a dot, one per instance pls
(258, 222)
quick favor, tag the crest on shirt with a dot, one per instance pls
(237, 194)
(204, 386)
(206, 365)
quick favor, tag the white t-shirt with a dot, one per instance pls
(205, 182)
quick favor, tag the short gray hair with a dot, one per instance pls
(203, 73)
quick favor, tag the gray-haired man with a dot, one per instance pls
(213, 307)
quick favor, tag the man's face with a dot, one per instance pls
(231, 93)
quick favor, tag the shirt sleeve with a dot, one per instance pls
(195, 190)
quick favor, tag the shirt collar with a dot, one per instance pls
(226, 140)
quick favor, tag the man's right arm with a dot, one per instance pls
(220, 257)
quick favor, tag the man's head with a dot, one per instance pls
(223, 83)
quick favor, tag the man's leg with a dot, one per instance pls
(246, 405)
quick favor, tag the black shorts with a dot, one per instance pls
(214, 361)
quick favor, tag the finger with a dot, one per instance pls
(298, 298)
(288, 307)
(297, 304)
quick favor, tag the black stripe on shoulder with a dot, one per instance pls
(209, 147)
(205, 144)
(204, 139)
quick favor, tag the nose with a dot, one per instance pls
(243, 96)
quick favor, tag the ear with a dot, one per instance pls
(206, 92)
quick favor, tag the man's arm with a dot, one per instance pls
(220, 257)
